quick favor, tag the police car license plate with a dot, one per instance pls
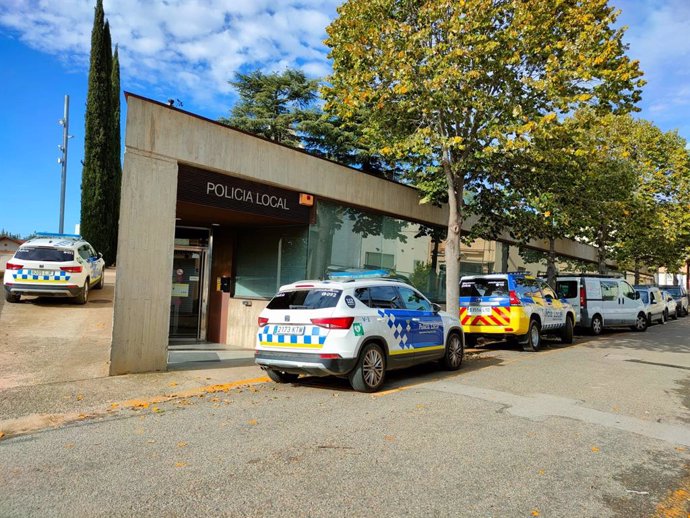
(290, 330)
(479, 310)
(41, 272)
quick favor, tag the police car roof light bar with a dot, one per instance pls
(52, 234)
(617, 275)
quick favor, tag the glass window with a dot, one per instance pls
(84, 252)
(547, 291)
(49, 255)
(567, 289)
(384, 297)
(527, 287)
(305, 299)
(413, 300)
(609, 290)
(644, 296)
(653, 296)
(362, 294)
(483, 287)
(357, 242)
(269, 259)
(627, 290)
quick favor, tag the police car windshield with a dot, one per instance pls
(484, 288)
(305, 299)
(48, 255)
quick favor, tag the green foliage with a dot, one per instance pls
(455, 88)
(102, 170)
(272, 105)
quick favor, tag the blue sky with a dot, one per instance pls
(189, 49)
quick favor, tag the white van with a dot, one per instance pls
(602, 301)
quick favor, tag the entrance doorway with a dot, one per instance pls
(189, 296)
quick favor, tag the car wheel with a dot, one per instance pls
(281, 377)
(370, 371)
(597, 325)
(641, 323)
(675, 315)
(12, 297)
(454, 352)
(567, 333)
(83, 296)
(663, 318)
(101, 282)
(533, 337)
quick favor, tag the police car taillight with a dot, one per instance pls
(262, 321)
(514, 299)
(71, 269)
(13, 266)
(333, 323)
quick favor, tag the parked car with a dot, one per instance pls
(356, 329)
(602, 301)
(671, 306)
(54, 265)
(680, 294)
(513, 305)
(654, 303)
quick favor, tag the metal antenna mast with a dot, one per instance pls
(64, 122)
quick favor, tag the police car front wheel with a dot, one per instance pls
(370, 371)
(454, 352)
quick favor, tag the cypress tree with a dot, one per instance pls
(96, 184)
(116, 179)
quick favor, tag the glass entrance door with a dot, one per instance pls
(187, 302)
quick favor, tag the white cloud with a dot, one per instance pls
(190, 48)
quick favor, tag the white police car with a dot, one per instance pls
(54, 265)
(358, 329)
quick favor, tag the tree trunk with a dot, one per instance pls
(505, 255)
(601, 249)
(453, 241)
(637, 272)
(551, 264)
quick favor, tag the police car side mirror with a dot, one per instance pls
(435, 307)
(100, 255)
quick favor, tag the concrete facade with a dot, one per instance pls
(160, 138)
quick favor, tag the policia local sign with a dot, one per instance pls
(226, 192)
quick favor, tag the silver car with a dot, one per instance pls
(654, 303)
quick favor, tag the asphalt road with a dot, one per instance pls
(597, 429)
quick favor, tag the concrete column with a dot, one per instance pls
(144, 264)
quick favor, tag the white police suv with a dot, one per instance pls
(54, 265)
(357, 329)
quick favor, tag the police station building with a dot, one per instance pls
(214, 220)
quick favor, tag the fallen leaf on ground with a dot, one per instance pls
(252, 422)
(80, 397)
(595, 449)
(69, 445)
(389, 438)
(180, 464)
(535, 512)
(172, 384)
(181, 444)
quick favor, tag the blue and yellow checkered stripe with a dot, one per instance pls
(314, 337)
(28, 275)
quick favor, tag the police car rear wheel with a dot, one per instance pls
(12, 298)
(83, 296)
(282, 377)
(370, 371)
(567, 333)
(533, 337)
(454, 352)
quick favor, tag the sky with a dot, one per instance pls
(189, 50)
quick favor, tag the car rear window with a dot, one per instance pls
(675, 291)
(567, 289)
(49, 255)
(305, 299)
(480, 287)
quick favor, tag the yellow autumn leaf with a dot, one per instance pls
(182, 444)
(595, 449)
(252, 422)
(535, 512)
(180, 464)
